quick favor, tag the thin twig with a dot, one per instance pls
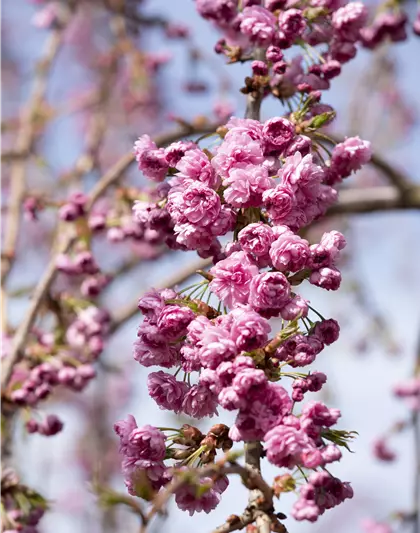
(25, 138)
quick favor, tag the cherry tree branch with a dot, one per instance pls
(249, 476)
(25, 138)
(253, 449)
(382, 198)
(111, 177)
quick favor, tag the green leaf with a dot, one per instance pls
(322, 119)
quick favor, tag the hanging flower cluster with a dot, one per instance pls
(65, 359)
(265, 182)
(277, 25)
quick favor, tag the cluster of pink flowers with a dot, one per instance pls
(322, 492)
(144, 451)
(206, 194)
(67, 363)
(335, 27)
(276, 26)
(408, 390)
(264, 182)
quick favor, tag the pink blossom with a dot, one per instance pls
(302, 144)
(196, 165)
(298, 172)
(249, 330)
(190, 498)
(318, 414)
(273, 54)
(331, 453)
(232, 278)
(259, 68)
(295, 308)
(256, 238)
(142, 475)
(47, 16)
(350, 155)
(298, 351)
(153, 301)
(193, 202)
(327, 252)
(407, 388)
(326, 278)
(152, 348)
(291, 24)
(266, 407)
(278, 133)
(219, 11)
(227, 371)
(247, 378)
(225, 222)
(173, 321)
(284, 446)
(216, 347)
(258, 25)
(269, 292)
(199, 401)
(192, 237)
(223, 110)
(237, 126)
(196, 329)
(124, 428)
(246, 185)
(382, 451)
(289, 252)
(321, 493)
(327, 331)
(278, 202)
(147, 442)
(349, 19)
(176, 151)
(167, 392)
(151, 159)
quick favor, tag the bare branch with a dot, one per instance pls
(384, 198)
(24, 141)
